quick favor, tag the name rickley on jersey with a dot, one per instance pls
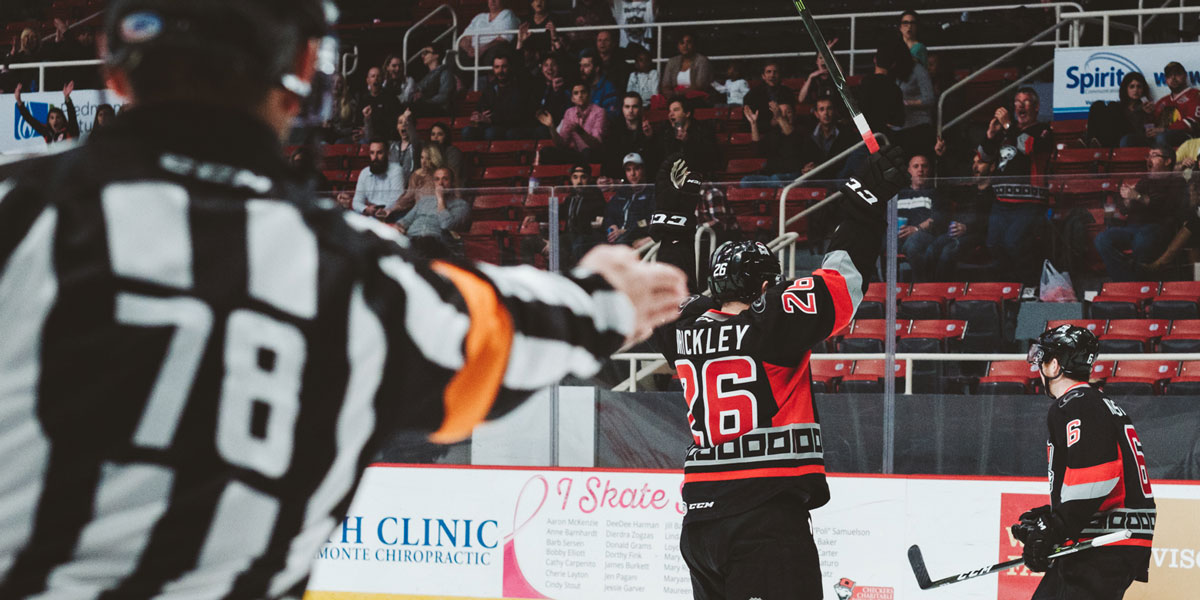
(701, 341)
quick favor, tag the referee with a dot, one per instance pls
(197, 356)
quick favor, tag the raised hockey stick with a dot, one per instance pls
(922, 573)
(839, 80)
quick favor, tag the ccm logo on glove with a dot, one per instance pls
(864, 193)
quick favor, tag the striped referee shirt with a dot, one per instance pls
(197, 359)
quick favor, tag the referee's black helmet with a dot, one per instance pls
(739, 271)
(1075, 348)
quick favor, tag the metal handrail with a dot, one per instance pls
(999, 94)
(657, 360)
(42, 66)
(1142, 25)
(852, 51)
(712, 243)
(964, 81)
(451, 31)
(1106, 16)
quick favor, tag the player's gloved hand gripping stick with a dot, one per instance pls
(839, 80)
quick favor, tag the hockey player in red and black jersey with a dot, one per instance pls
(1099, 482)
(756, 467)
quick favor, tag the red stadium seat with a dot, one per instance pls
(506, 176)
(740, 146)
(1184, 336)
(496, 207)
(1122, 299)
(1008, 377)
(1140, 377)
(1177, 300)
(867, 376)
(751, 224)
(1187, 383)
(867, 335)
(985, 307)
(744, 166)
(932, 335)
(873, 305)
(929, 300)
(550, 175)
(1127, 160)
(507, 152)
(1071, 130)
(826, 374)
(1086, 193)
(1132, 335)
(1102, 370)
(1081, 160)
(539, 205)
(751, 201)
(1096, 326)
(472, 147)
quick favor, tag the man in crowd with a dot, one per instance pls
(828, 138)
(552, 94)
(781, 144)
(394, 81)
(380, 184)
(1177, 113)
(1151, 208)
(480, 35)
(684, 134)
(580, 135)
(379, 107)
(604, 92)
(504, 112)
(630, 133)
(764, 98)
(968, 231)
(611, 59)
(627, 216)
(197, 373)
(1020, 147)
(436, 89)
(921, 212)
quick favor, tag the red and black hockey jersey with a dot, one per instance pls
(1099, 482)
(748, 389)
(1180, 111)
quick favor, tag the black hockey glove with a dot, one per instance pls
(1027, 522)
(877, 182)
(1046, 532)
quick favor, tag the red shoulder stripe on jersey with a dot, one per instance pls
(792, 390)
(840, 292)
(1096, 474)
(754, 473)
(1116, 498)
(472, 391)
(1132, 542)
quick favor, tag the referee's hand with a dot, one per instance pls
(655, 289)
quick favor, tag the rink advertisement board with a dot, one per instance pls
(1086, 75)
(17, 137)
(488, 533)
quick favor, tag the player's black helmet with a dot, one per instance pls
(1074, 347)
(739, 270)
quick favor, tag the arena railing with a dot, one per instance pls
(404, 52)
(1105, 19)
(660, 57)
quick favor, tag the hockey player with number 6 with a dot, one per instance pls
(755, 467)
(1099, 482)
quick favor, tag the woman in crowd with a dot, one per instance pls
(908, 31)
(689, 73)
(1122, 122)
(431, 223)
(919, 102)
(420, 184)
(340, 128)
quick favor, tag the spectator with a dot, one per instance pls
(343, 124)
(589, 13)
(345, 199)
(580, 135)
(419, 184)
(921, 214)
(781, 144)
(538, 37)
(635, 12)
(689, 73)
(604, 93)
(683, 134)
(735, 87)
(1152, 207)
(1178, 113)
(305, 164)
(504, 111)
(919, 103)
(554, 96)
(611, 59)
(380, 184)
(395, 81)
(105, 115)
(819, 83)
(713, 210)
(481, 33)
(627, 216)
(585, 215)
(1186, 155)
(1183, 239)
(643, 80)
(435, 91)
(404, 148)
(879, 96)
(908, 31)
(968, 231)
(59, 126)
(439, 135)
(27, 49)
(1125, 121)
(828, 139)
(379, 108)
(630, 134)
(431, 222)
(1020, 149)
(764, 98)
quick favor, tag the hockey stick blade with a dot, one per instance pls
(921, 572)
